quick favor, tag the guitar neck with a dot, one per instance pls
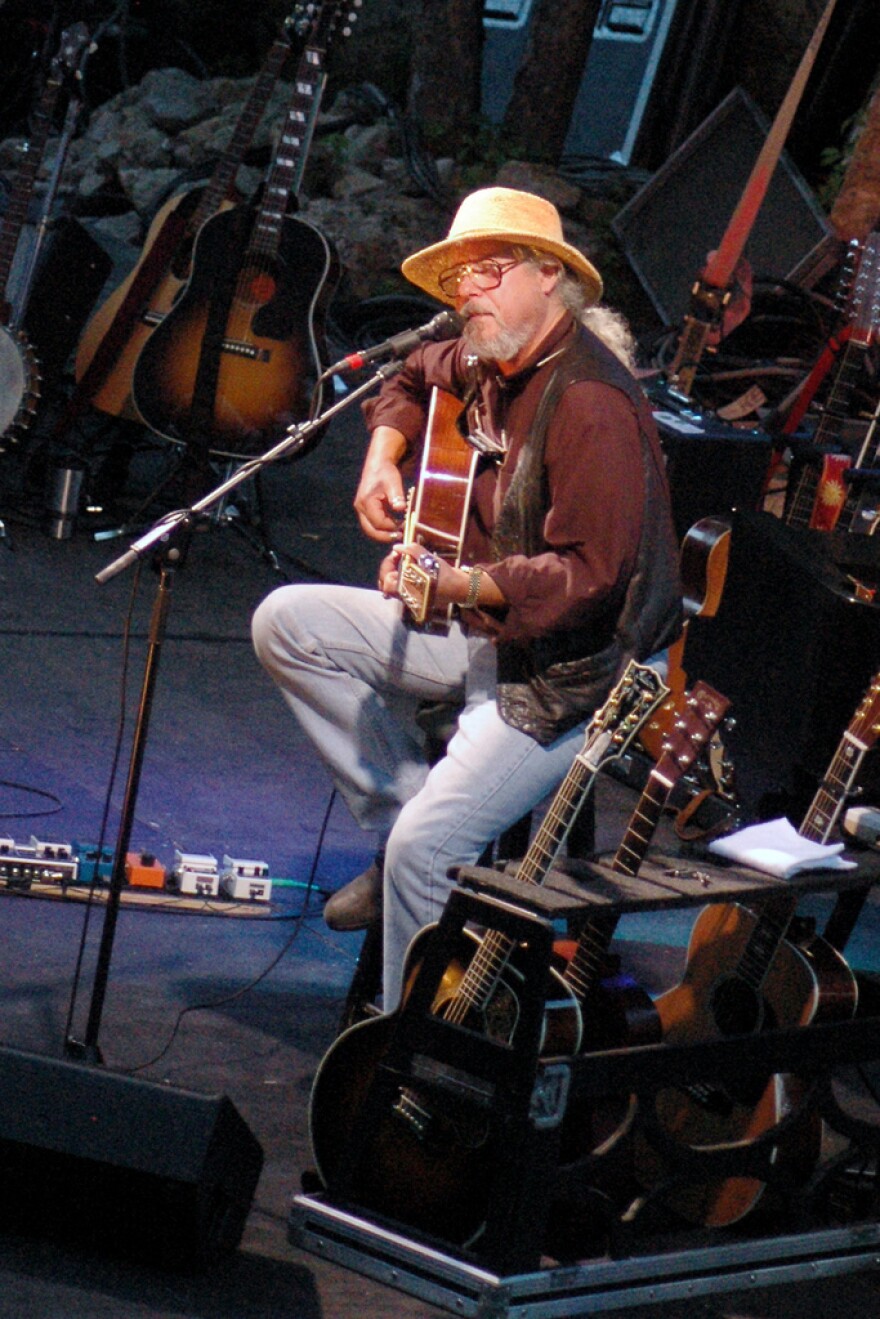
(828, 802)
(860, 736)
(690, 734)
(588, 962)
(221, 182)
(16, 210)
(643, 824)
(491, 958)
(285, 176)
(557, 823)
(704, 316)
(860, 515)
(772, 919)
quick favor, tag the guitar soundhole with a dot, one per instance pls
(736, 1008)
(257, 287)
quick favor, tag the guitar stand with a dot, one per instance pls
(246, 517)
(248, 520)
(571, 1230)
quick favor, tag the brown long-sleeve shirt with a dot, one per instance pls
(593, 470)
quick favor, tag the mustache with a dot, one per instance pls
(474, 308)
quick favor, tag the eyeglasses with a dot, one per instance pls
(484, 275)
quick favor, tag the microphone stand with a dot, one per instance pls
(169, 541)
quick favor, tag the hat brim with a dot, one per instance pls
(425, 267)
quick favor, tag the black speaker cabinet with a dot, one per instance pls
(668, 228)
(795, 650)
(713, 467)
(108, 1162)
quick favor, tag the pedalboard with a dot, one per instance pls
(194, 874)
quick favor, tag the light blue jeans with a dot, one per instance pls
(355, 675)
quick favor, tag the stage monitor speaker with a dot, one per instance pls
(794, 650)
(116, 1164)
(628, 41)
(668, 228)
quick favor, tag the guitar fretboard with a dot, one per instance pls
(17, 207)
(643, 824)
(860, 736)
(771, 922)
(285, 176)
(220, 184)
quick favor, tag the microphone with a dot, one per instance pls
(445, 325)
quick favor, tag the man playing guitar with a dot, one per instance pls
(568, 569)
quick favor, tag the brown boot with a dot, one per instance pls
(359, 902)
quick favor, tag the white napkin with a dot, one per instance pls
(778, 849)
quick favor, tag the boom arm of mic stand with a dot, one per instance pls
(294, 440)
(178, 523)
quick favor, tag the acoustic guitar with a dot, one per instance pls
(743, 976)
(429, 1165)
(437, 508)
(19, 370)
(118, 330)
(616, 1011)
(238, 358)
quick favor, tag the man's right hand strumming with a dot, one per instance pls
(380, 502)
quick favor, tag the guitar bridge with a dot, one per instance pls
(409, 1110)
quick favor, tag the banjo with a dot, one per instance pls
(19, 372)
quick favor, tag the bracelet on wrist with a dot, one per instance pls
(475, 578)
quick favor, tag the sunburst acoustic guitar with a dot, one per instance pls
(118, 330)
(238, 358)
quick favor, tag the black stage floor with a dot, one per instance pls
(206, 997)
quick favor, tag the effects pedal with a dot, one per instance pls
(245, 881)
(142, 870)
(195, 874)
(863, 824)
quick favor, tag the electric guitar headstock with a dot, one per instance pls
(864, 727)
(318, 23)
(614, 727)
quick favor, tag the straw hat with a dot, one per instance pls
(493, 218)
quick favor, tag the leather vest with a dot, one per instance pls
(551, 683)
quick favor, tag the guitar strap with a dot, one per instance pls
(238, 223)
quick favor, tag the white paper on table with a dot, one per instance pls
(776, 848)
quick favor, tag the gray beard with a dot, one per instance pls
(501, 346)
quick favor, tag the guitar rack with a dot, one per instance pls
(571, 1230)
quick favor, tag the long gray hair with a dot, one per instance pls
(608, 325)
